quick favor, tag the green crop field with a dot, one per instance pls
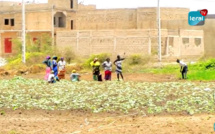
(114, 96)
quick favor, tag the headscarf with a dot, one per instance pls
(54, 57)
(48, 57)
(73, 71)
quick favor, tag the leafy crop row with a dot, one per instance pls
(148, 98)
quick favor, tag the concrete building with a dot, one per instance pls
(88, 30)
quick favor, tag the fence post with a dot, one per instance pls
(149, 46)
(114, 41)
(91, 47)
(77, 43)
(167, 47)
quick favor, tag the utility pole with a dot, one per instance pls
(23, 33)
(52, 25)
(159, 31)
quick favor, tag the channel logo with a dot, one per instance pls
(197, 18)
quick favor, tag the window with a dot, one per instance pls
(35, 40)
(171, 41)
(71, 4)
(60, 21)
(6, 21)
(71, 24)
(12, 22)
(185, 40)
(197, 41)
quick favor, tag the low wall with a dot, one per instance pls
(174, 42)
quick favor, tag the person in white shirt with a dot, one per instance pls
(183, 68)
(107, 67)
(118, 63)
(62, 66)
(51, 77)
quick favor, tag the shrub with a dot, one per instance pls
(31, 58)
(71, 67)
(18, 46)
(67, 53)
(136, 59)
(210, 64)
(204, 65)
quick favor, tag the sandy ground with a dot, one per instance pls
(80, 122)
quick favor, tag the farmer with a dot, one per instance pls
(96, 69)
(52, 78)
(48, 66)
(54, 65)
(74, 76)
(118, 63)
(183, 68)
(107, 67)
(61, 67)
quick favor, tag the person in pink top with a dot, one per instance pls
(48, 66)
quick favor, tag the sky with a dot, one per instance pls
(192, 4)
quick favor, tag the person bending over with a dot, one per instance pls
(183, 68)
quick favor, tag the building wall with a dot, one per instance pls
(106, 19)
(64, 4)
(141, 18)
(7, 3)
(209, 30)
(87, 42)
(40, 19)
(171, 18)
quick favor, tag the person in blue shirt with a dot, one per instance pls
(54, 65)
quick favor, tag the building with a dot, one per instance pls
(88, 30)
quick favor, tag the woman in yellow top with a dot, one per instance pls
(96, 69)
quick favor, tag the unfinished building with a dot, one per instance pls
(88, 30)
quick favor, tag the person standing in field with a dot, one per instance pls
(118, 63)
(48, 66)
(61, 67)
(107, 67)
(54, 65)
(183, 68)
(96, 69)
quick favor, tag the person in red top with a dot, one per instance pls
(107, 67)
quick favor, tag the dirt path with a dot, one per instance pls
(76, 122)
(143, 77)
